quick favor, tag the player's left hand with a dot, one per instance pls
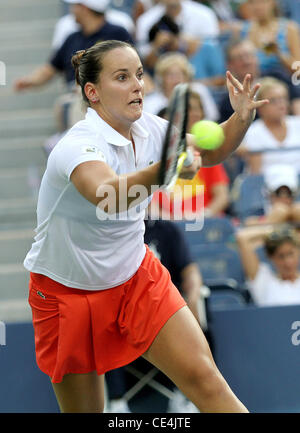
(242, 96)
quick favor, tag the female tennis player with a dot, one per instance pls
(99, 297)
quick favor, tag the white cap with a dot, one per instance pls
(281, 175)
(95, 5)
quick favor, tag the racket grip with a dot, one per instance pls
(189, 158)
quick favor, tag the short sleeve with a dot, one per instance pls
(67, 156)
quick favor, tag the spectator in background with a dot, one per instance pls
(67, 24)
(276, 38)
(165, 36)
(226, 12)
(212, 181)
(166, 240)
(142, 6)
(270, 140)
(208, 61)
(277, 283)
(281, 186)
(194, 20)
(93, 28)
(170, 70)
(241, 59)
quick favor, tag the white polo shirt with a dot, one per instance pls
(72, 244)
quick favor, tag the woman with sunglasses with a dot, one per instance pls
(275, 281)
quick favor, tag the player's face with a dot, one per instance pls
(286, 260)
(120, 89)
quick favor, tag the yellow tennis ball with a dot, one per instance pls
(208, 134)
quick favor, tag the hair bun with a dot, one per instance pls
(76, 60)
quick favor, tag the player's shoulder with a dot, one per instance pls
(80, 134)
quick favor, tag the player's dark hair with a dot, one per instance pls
(88, 63)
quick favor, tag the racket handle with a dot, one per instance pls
(189, 158)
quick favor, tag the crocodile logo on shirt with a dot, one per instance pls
(93, 149)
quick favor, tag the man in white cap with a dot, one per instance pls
(281, 187)
(90, 15)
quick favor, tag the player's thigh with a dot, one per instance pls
(80, 393)
(180, 349)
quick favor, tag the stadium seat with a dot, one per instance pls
(224, 299)
(218, 261)
(248, 196)
(215, 230)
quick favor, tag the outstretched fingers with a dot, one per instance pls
(257, 104)
(247, 83)
(234, 82)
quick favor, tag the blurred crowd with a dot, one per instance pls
(196, 42)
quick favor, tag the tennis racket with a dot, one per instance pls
(174, 152)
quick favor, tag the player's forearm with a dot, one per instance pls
(118, 193)
(234, 129)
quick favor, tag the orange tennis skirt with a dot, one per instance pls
(79, 331)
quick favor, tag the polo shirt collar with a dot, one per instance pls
(109, 133)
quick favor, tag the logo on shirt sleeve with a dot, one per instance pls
(92, 149)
